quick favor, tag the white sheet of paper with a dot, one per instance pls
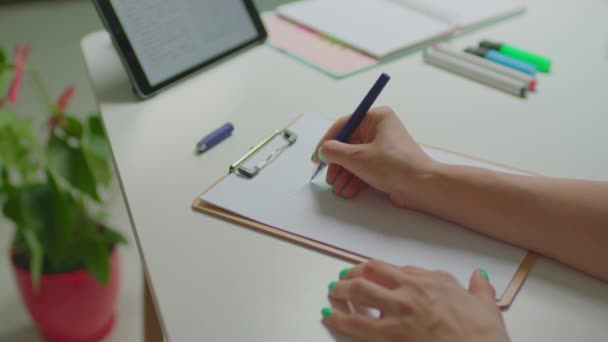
(464, 13)
(375, 27)
(369, 225)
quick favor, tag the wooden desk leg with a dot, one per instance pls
(152, 330)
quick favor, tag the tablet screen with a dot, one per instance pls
(170, 37)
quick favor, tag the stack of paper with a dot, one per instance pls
(380, 28)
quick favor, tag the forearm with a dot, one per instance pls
(563, 219)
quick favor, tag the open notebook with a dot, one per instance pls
(381, 28)
(281, 201)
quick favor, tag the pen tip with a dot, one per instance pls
(317, 170)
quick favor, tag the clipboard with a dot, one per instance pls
(289, 139)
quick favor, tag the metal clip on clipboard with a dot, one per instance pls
(250, 172)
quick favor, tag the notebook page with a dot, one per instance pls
(464, 13)
(282, 196)
(376, 27)
(336, 59)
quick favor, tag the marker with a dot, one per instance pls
(474, 59)
(541, 63)
(505, 60)
(355, 119)
(475, 72)
(214, 137)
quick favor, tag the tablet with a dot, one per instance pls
(162, 42)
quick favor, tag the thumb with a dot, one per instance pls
(481, 288)
(350, 156)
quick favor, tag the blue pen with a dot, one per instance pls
(214, 137)
(357, 116)
(500, 58)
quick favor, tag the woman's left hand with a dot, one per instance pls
(415, 305)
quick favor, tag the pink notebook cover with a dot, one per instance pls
(313, 49)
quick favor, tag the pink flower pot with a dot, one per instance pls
(71, 307)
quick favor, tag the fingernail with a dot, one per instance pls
(332, 285)
(484, 274)
(326, 312)
(343, 192)
(320, 153)
(344, 272)
(312, 156)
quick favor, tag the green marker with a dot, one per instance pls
(541, 63)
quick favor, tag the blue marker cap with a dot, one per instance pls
(500, 58)
(214, 137)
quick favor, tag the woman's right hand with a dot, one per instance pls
(380, 153)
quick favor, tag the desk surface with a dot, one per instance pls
(215, 281)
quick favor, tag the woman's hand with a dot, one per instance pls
(415, 305)
(380, 153)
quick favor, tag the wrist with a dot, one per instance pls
(418, 187)
(427, 184)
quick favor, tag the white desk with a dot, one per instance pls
(215, 281)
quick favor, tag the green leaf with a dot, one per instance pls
(6, 74)
(12, 208)
(30, 207)
(99, 165)
(96, 256)
(66, 214)
(54, 216)
(112, 238)
(18, 242)
(71, 163)
(97, 150)
(27, 208)
(36, 256)
(96, 138)
(5, 181)
(72, 127)
(18, 144)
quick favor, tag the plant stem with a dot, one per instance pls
(38, 82)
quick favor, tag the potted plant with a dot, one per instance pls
(52, 178)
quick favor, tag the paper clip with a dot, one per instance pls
(238, 167)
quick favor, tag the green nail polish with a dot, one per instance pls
(320, 154)
(344, 192)
(484, 274)
(344, 272)
(326, 312)
(312, 156)
(332, 285)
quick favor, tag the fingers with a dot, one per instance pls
(481, 288)
(353, 157)
(358, 326)
(362, 292)
(341, 181)
(353, 188)
(330, 134)
(333, 171)
(413, 270)
(365, 130)
(379, 272)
